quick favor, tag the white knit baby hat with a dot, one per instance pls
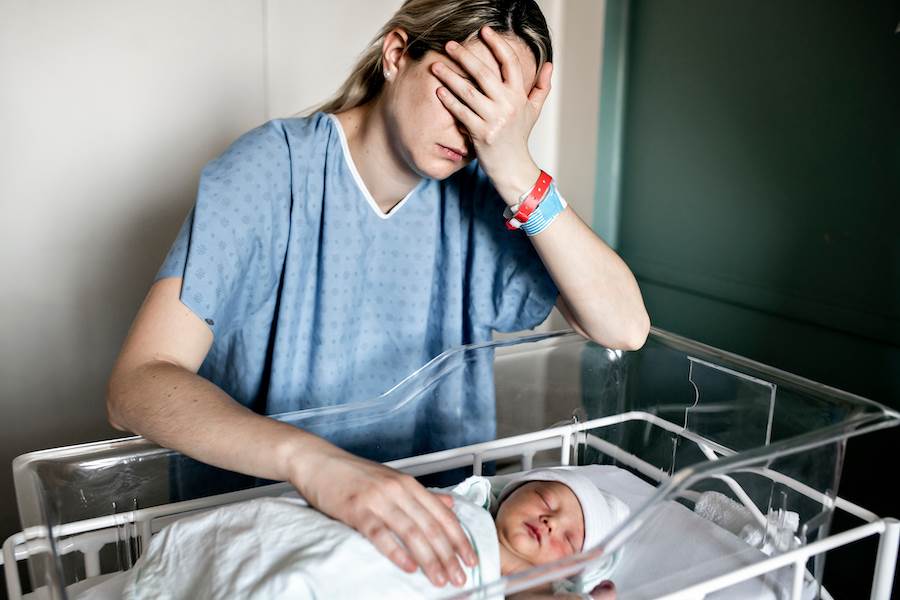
(602, 513)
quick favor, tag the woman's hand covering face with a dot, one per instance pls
(487, 87)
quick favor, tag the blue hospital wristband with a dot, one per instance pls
(546, 211)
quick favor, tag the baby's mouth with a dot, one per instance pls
(535, 533)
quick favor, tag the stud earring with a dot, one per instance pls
(388, 73)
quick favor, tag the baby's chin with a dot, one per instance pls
(521, 546)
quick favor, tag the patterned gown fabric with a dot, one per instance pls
(318, 299)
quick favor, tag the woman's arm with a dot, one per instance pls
(599, 296)
(154, 390)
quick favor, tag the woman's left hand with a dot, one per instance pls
(500, 115)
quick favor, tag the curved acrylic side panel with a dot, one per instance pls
(704, 521)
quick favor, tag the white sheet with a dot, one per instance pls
(272, 548)
(678, 550)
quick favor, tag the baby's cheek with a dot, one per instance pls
(559, 548)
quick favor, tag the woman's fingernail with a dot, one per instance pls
(458, 578)
(451, 45)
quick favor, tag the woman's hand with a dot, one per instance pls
(500, 115)
(382, 503)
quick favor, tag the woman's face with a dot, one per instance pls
(423, 131)
(540, 522)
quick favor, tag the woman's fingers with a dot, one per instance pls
(462, 88)
(420, 522)
(441, 528)
(510, 67)
(439, 549)
(463, 113)
(541, 88)
(443, 531)
(382, 538)
(485, 77)
(443, 513)
(419, 544)
(405, 522)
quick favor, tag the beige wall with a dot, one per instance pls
(108, 111)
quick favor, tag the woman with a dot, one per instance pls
(328, 256)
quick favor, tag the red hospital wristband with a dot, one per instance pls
(524, 208)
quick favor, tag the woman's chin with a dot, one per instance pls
(442, 168)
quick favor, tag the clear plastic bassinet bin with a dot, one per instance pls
(730, 469)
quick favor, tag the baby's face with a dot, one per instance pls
(540, 522)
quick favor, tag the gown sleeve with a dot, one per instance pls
(230, 249)
(517, 292)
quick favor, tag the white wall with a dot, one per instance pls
(108, 111)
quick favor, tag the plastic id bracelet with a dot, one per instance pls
(544, 214)
(519, 213)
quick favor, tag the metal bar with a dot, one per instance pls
(565, 451)
(797, 584)
(626, 458)
(11, 567)
(886, 560)
(91, 563)
(527, 461)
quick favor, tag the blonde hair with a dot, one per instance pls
(430, 24)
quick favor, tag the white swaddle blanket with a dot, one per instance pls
(272, 548)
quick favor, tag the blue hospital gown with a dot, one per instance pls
(316, 298)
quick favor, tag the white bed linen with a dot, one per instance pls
(272, 548)
(679, 550)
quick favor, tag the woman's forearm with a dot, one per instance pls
(596, 284)
(178, 409)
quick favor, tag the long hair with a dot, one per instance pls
(430, 24)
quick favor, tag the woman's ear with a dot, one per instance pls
(393, 52)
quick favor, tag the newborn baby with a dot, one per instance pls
(547, 514)
(282, 548)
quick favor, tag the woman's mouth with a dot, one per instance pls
(535, 533)
(452, 154)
